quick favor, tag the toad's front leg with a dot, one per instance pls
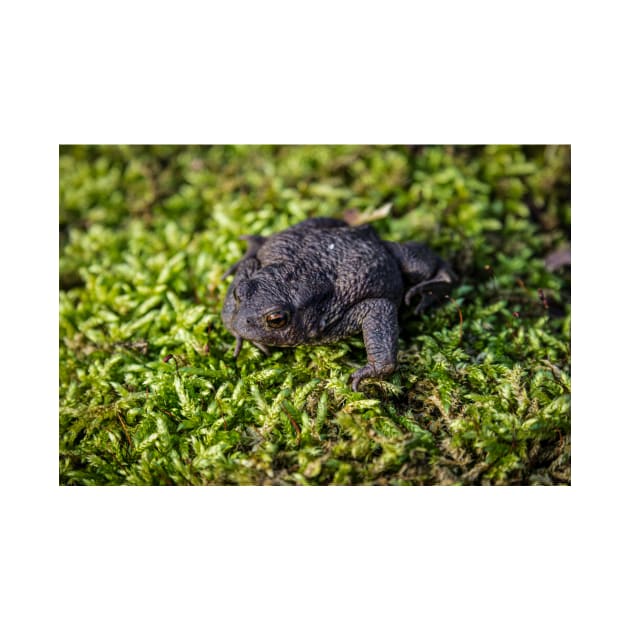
(378, 319)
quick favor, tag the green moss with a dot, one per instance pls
(149, 393)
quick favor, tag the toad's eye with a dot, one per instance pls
(277, 319)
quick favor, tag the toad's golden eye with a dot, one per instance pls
(277, 319)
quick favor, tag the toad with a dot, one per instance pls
(322, 280)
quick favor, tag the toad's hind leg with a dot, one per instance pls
(424, 272)
(254, 243)
(320, 223)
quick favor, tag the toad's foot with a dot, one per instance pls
(430, 290)
(378, 318)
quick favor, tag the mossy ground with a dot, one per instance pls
(149, 392)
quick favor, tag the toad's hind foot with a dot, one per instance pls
(254, 243)
(430, 290)
(424, 272)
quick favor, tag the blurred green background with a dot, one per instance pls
(149, 393)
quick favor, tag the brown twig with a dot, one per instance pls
(168, 357)
(543, 299)
(124, 428)
(293, 422)
(461, 319)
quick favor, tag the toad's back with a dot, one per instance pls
(354, 260)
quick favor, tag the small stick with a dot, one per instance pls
(461, 319)
(168, 357)
(124, 427)
(543, 299)
(293, 422)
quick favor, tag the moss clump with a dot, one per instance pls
(149, 393)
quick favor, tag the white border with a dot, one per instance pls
(367, 72)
